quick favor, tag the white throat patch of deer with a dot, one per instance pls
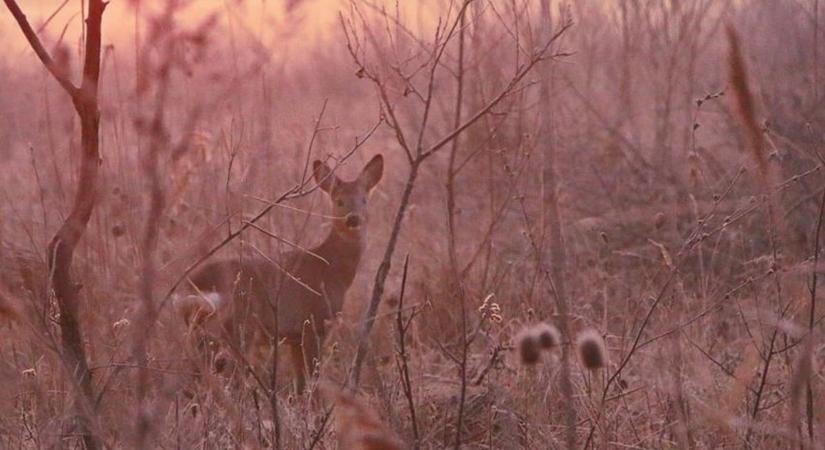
(239, 299)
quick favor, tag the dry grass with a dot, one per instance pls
(689, 184)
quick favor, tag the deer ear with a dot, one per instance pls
(372, 172)
(324, 176)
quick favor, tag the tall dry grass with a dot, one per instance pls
(698, 273)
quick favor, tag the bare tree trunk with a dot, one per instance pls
(457, 288)
(381, 276)
(451, 170)
(552, 227)
(62, 246)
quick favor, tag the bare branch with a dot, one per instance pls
(41, 52)
(538, 56)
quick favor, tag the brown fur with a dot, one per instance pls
(308, 287)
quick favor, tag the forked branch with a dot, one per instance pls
(422, 153)
(38, 48)
(62, 247)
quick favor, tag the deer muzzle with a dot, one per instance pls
(353, 221)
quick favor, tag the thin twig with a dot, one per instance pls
(402, 358)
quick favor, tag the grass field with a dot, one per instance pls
(644, 173)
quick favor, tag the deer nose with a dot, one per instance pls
(353, 221)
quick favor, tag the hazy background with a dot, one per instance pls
(650, 152)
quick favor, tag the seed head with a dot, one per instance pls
(659, 220)
(528, 346)
(118, 230)
(121, 324)
(592, 352)
(548, 336)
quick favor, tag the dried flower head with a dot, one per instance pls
(121, 324)
(489, 310)
(118, 230)
(223, 362)
(745, 102)
(591, 348)
(548, 336)
(659, 220)
(528, 347)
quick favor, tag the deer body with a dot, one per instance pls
(241, 299)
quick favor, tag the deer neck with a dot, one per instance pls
(343, 252)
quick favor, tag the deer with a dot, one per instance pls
(292, 296)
